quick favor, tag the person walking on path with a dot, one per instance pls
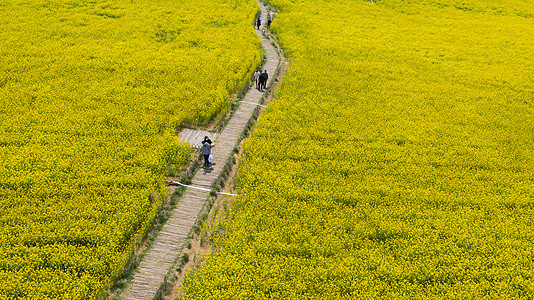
(269, 24)
(260, 82)
(257, 78)
(263, 80)
(258, 23)
(206, 151)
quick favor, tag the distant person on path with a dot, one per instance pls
(258, 23)
(263, 79)
(269, 23)
(257, 78)
(206, 151)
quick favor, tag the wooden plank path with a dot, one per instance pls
(195, 137)
(171, 239)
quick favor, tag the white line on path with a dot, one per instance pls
(253, 103)
(199, 188)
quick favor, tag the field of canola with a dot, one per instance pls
(91, 93)
(394, 163)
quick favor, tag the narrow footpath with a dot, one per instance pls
(170, 241)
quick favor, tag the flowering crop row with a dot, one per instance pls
(395, 162)
(91, 94)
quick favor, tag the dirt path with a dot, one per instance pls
(160, 259)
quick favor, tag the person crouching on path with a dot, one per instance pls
(206, 151)
(257, 78)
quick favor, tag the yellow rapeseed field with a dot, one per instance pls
(395, 162)
(91, 94)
